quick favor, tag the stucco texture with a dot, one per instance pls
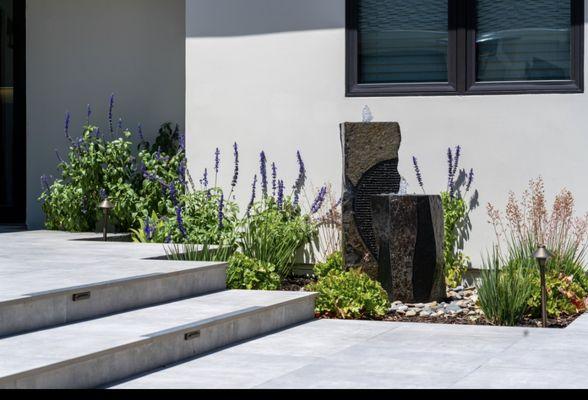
(272, 76)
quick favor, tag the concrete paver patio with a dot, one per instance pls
(361, 354)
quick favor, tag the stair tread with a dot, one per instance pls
(32, 268)
(37, 350)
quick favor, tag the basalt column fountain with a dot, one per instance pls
(370, 165)
(396, 238)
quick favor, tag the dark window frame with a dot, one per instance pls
(462, 61)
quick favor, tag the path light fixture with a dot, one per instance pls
(106, 206)
(542, 255)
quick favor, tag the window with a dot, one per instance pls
(399, 47)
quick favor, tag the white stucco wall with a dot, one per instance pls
(270, 75)
(81, 51)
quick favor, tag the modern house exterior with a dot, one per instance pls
(503, 79)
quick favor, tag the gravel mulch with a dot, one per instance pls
(460, 308)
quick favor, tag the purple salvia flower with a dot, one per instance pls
(182, 172)
(221, 212)
(263, 173)
(471, 177)
(417, 170)
(450, 179)
(456, 161)
(301, 181)
(217, 155)
(280, 199)
(110, 116)
(149, 230)
(204, 180)
(180, 221)
(253, 195)
(319, 201)
(236, 171)
(168, 239)
(158, 154)
(339, 202)
(67, 122)
(274, 179)
(88, 114)
(103, 195)
(173, 194)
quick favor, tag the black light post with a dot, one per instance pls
(106, 206)
(542, 255)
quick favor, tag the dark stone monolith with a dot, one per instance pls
(370, 165)
(409, 234)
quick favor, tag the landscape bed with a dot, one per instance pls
(156, 200)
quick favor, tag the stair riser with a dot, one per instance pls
(164, 349)
(57, 309)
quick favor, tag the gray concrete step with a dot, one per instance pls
(105, 350)
(41, 272)
(72, 292)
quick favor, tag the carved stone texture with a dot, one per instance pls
(409, 232)
(370, 165)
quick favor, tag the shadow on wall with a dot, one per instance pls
(218, 18)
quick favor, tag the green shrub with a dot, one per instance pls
(95, 167)
(456, 213)
(101, 165)
(350, 295)
(504, 292)
(333, 263)
(273, 234)
(565, 296)
(250, 274)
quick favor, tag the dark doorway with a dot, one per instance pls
(12, 112)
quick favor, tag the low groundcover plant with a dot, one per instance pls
(347, 294)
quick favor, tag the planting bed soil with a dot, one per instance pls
(296, 283)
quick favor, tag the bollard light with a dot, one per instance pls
(542, 255)
(106, 206)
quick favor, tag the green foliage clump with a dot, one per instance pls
(334, 263)
(95, 167)
(273, 233)
(504, 292)
(250, 274)
(456, 214)
(565, 296)
(198, 252)
(350, 295)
